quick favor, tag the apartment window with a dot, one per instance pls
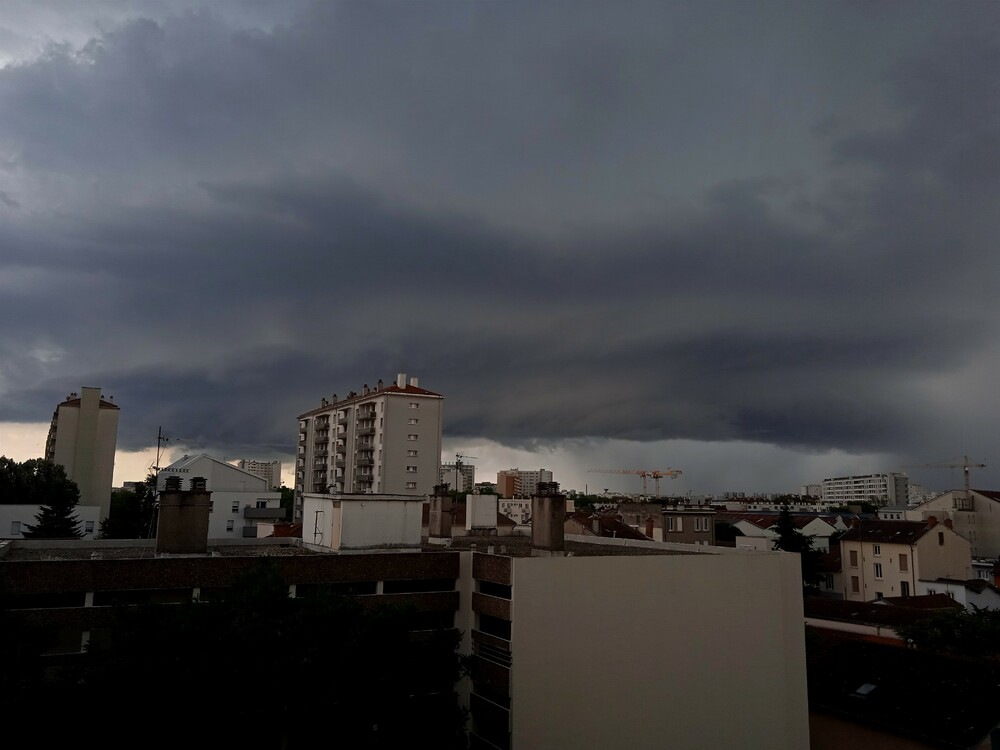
(411, 453)
(230, 525)
(904, 563)
(413, 420)
(941, 538)
(876, 549)
(854, 558)
(411, 469)
(855, 585)
(878, 596)
(262, 503)
(236, 506)
(904, 588)
(414, 405)
(878, 570)
(15, 527)
(411, 437)
(411, 485)
(88, 527)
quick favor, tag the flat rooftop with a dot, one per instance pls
(578, 546)
(125, 549)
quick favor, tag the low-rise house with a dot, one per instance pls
(973, 593)
(886, 558)
(240, 500)
(975, 516)
(15, 519)
(671, 522)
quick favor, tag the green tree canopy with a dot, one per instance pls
(133, 513)
(43, 483)
(790, 539)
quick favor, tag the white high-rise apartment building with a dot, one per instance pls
(385, 439)
(886, 489)
(269, 470)
(82, 439)
(518, 483)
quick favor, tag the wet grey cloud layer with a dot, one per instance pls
(767, 223)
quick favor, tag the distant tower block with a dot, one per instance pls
(82, 439)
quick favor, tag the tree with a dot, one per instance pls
(790, 539)
(288, 502)
(956, 631)
(43, 483)
(133, 512)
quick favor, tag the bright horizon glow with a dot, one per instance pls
(23, 441)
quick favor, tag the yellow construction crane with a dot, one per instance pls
(656, 474)
(948, 464)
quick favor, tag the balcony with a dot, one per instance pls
(340, 463)
(366, 431)
(364, 462)
(364, 478)
(344, 420)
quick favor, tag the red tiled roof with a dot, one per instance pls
(407, 390)
(103, 404)
(926, 601)
(886, 532)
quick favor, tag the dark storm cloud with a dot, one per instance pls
(677, 221)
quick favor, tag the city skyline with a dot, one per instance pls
(752, 241)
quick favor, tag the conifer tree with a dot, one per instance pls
(46, 484)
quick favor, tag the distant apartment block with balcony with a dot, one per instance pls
(887, 489)
(385, 440)
(267, 470)
(518, 483)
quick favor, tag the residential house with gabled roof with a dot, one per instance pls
(240, 500)
(886, 558)
(976, 517)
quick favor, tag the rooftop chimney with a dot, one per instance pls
(401, 380)
(182, 526)
(548, 519)
(414, 382)
(481, 514)
(948, 524)
(931, 522)
(440, 513)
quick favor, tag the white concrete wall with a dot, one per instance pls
(361, 521)
(24, 515)
(380, 523)
(222, 511)
(684, 652)
(480, 512)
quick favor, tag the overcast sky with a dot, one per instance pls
(756, 241)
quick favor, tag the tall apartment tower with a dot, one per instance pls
(268, 470)
(82, 439)
(385, 439)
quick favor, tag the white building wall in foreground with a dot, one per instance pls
(697, 651)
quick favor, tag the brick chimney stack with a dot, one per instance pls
(931, 522)
(548, 519)
(182, 526)
(439, 527)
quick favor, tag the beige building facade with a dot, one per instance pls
(382, 440)
(82, 439)
(887, 558)
(976, 517)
